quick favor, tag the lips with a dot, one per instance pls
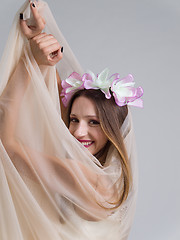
(86, 143)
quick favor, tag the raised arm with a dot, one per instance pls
(74, 175)
(47, 51)
(10, 102)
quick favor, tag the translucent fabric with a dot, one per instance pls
(51, 187)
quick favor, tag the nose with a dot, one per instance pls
(81, 130)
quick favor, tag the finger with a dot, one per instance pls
(59, 55)
(52, 48)
(39, 36)
(25, 29)
(43, 41)
(49, 43)
(52, 60)
(36, 4)
(46, 47)
(45, 38)
(56, 59)
(40, 22)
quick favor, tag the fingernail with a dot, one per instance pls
(33, 5)
(21, 16)
(62, 49)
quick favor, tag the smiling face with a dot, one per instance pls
(84, 125)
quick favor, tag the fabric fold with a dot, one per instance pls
(51, 186)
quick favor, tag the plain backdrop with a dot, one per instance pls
(141, 37)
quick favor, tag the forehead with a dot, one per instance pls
(83, 106)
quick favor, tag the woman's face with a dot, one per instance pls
(84, 125)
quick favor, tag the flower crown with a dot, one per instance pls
(122, 89)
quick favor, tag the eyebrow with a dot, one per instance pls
(72, 114)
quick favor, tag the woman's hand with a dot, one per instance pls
(39, 23)
(46, 49)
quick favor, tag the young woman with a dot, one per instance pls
(78, 182)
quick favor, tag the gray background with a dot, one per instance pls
(140, 37)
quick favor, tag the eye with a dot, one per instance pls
(74, 120)
(94, 122)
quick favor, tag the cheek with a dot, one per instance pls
(101, 137)
(104, 139)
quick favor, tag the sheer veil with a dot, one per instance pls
(50, 186)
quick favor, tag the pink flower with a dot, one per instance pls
(124, 92)
(123, 89)
(70, 86)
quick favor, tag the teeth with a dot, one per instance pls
(86, 143)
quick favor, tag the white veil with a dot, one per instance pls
(50, 186)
